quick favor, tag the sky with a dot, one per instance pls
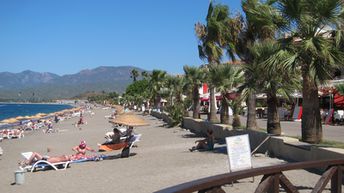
(67, 36)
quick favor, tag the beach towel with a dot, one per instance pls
(117, 146)
(90, 158)
(111, 147)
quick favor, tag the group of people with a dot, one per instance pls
(80, 150)
(120, 134)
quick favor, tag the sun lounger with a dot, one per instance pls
(125, 146)
(7, 134)
(43, 164)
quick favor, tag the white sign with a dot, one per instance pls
(239, 152)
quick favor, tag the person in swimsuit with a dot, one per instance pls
(52, 159)
(81, 150)
(205, 144)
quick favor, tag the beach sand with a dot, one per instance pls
(162, 159)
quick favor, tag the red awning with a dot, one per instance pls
(204, 99)
(338, 100)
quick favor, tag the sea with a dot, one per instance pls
(9, 110)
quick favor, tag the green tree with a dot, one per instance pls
(134, 74)
(145, 74)
(340, 88)
(156, 83)
(174, 86)
(225, 78)
(259, 23)
(273, 80)
(313, 41)
(194, 76)
(212, 41)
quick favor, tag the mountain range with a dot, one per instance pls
(36, 86)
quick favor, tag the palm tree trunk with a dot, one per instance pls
(236, 117)
(224, 111)
(212, 115)
(236, 121)
(157, 102)
(196, 103)
(273, 123)
(311, 120)
(251, 123)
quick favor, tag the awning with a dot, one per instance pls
(338, 100)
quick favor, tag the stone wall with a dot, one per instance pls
(276, 146)
(163, 116)
(283, 147)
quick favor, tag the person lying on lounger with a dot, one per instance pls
(36, 157)
(205, 144)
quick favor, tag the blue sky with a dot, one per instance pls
(66, 36)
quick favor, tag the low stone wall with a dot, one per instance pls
(276, 146)
(163, 116)
(283, 147)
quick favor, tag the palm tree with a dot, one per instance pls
(314, 48)
(225, 78)
(145, 74)
(194, 78)
(212, 40)
(156, 83)
(174, 89)
(134, 74)
(260, 23)
(273, 80)
(340, 89)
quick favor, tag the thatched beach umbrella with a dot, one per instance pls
(35, 117)
(11, 120)
(119, 109)
(129, 120)
(20, 118)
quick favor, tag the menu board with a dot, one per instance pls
(239, 152)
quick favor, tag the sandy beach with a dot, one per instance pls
(162, 159)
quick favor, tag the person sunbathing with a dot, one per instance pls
(81, 150)
(36, 157)
(205, 144)
(114, 138)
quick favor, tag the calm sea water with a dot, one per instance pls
(14, 110)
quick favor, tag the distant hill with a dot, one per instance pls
(29, 85)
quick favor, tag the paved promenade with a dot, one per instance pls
(293, 128)
(162, 159)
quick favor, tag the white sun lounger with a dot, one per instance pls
(43, 164)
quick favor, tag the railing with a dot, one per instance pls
(272, 179)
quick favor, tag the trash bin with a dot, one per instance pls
(19, 177)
